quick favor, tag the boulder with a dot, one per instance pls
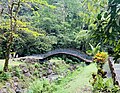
(16, 79)
(25, 70)
(27, 74)
(18, 90)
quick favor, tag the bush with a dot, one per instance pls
(5, 76)
(17, 71)
(41, 86)
(100, 83)
(104, 85)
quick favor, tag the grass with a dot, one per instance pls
(78, 82)
(81, 81)
(11, 63)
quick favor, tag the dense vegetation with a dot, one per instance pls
(40, 26)
(30, 27)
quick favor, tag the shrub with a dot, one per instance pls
(94, 50)
(41, 86)
(104, 85)
(17, 71)
(100, 83)
(5, 76)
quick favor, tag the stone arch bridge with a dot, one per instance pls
(75, 53)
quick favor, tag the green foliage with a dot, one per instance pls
(106, 28)
(17, 71)
(37, 65)
(82, 39)
(94, 50)
(72, 82)
(104, 85)
(91, 9)
(41, 86)
(61, 23)
(5, 76)
(36, 73)
(44, 25)
(99, 81)
(117, 51)
(12, 24)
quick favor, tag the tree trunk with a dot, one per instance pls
(12, 30)
(6, 61)
(8, 53)
(10, 39)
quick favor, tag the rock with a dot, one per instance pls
(25, 70)
(40, 73)
(31, 72)
(70, 68)
(28, 60)
(30, 68)
(74, 67)
(21, 59)
(11, 91)
(27, 74)
(18, 90)
(40, 69)
(16, 79)
(49, 71)
(50, 64)
(8, 85)
(25, 90)
(44, 68)
(50, 67)
(4, 90)
(31, 60)
(13, 73)
(15, 84)
(53, 77)
(54, 66)
(21, 66)
(54, 73)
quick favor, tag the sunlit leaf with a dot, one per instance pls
(110, 30)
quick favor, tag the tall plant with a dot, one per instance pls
(107, 26)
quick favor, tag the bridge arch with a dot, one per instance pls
(76, 53)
